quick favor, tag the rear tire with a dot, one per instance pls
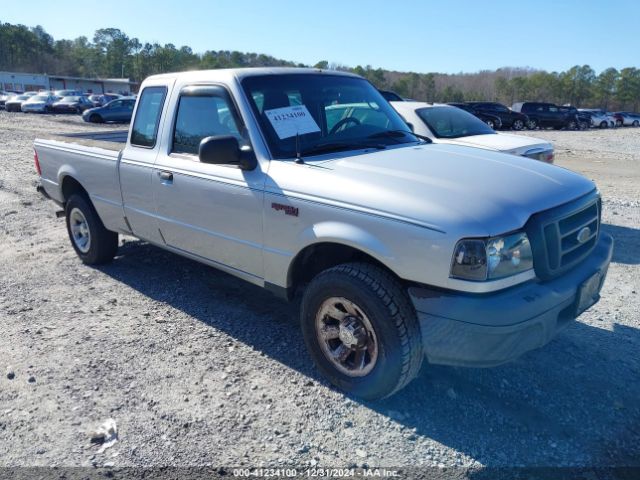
(532, 124)
(491, 124)
(375, 348)
(635, 123)
(93, 243)
(603, 124)
(518, 125)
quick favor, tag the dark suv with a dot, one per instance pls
(509, 118)
(545, 115)
(492, 120)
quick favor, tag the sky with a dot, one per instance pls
(413, 35)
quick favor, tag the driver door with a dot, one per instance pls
(210, 211)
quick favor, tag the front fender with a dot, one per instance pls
(344, 234)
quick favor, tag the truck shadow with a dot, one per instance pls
(627, 239)
(576, 398)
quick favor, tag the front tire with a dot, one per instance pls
(636, 123)
(603, 124)
(491, 124)
(532, 124)
(93, 243)
(95, 118)
(518, 125)
(361, 330)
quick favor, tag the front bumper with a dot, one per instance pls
(484, 330)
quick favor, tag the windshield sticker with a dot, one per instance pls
(291, 121)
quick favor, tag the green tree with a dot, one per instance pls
(604, 87)
(577, 84)
(628, 88)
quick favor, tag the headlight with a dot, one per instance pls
(489, 259)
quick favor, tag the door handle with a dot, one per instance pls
(165, 176)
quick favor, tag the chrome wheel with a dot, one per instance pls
(80, 230)
(518, 125)
(490, 123)
(346, 337)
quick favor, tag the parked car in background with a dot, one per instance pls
(545, 115)
(73, 104)
(509, 118)
(119, 110)
(4, 96)
(98, 100)
(492, 120)
(39, 104)
(600, 118)
(584, 120)
(390, 96)
(625, 119)
(14, 103)
(451, 125)
(30, 93)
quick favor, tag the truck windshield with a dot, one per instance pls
(310, 114)
(452, 122)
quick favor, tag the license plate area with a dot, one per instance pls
(589, 292)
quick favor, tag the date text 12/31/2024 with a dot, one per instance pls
(314, 472)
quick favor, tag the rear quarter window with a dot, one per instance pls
(145, 126)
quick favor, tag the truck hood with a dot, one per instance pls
(449, 188)
(503, 142)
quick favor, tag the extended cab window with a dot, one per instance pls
(203, 112)
(145, 126)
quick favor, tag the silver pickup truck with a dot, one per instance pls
(302, 180)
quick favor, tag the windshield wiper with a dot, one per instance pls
(338, 146)
(398, 133)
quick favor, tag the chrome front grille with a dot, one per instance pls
(563, 236)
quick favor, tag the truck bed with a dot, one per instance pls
(110, 140)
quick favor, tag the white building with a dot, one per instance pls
(22, 82)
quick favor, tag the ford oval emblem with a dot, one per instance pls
(584, 234)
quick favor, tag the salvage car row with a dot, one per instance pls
(97, 108)
(539, 115)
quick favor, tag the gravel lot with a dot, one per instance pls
(199, 368)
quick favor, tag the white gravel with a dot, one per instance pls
(199, 368)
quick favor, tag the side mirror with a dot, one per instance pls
(225, 150)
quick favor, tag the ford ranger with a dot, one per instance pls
(402, 249)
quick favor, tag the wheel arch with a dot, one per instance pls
(69, 185)
(328, 249)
